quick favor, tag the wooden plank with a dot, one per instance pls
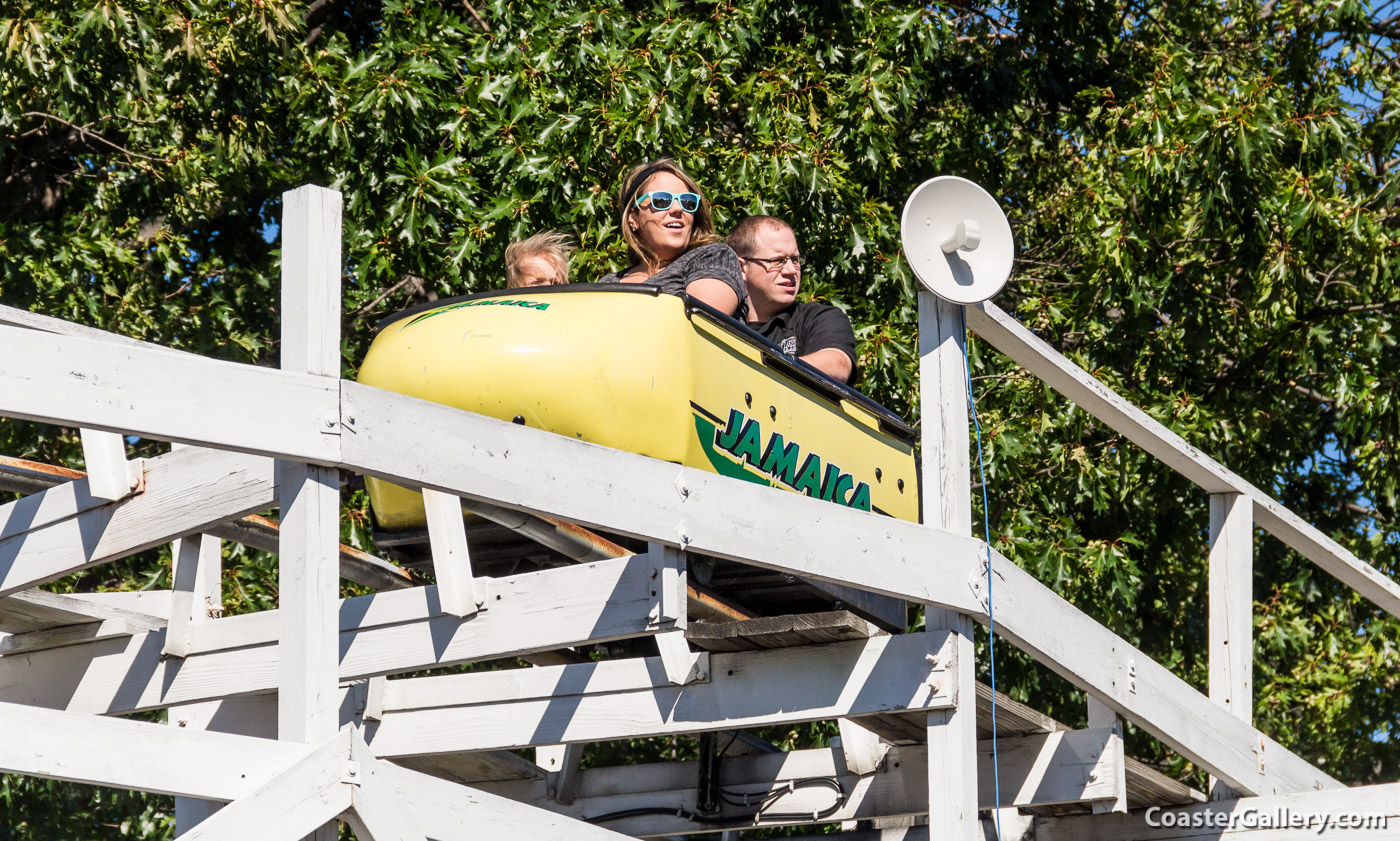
(309, 495)
(1103, 716)
(31, 477)
(1039, 770)
(66, 499)
(1291, 817)
(308, 600)
(1036, 356)
(137, 754)
(197, 595)
(110, 476)
(947, 505)
(189, 811)
(452, 560)
(298, 801)
(1231, 624)
(449, 812)
(779, 631)
(95, 384)
(1095, 659)
(39, 610)
(473, 768)
(416, 444)
(152, 603)
(186, 491)
(376, 812)
(380, 634)
(591, 702)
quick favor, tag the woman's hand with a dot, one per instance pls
(715, 293)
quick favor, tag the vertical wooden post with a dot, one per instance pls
(308, 495)
(1102, 715)
(452, 560)
(1231, 590)
(109, 474)
(947, 504)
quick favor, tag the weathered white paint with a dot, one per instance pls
(295, 802)
(309, 495)
(382, 633)
(589, 702)
(947, 505)
(1231, 606)
(416, 444)
(154, 393)
(137, 754)
(449, 812)
(452, 560)
(377, 813)
(196, 588)
(1102, 716)
(110, 475)
(185, 492)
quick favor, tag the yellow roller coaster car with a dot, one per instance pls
(624, 366)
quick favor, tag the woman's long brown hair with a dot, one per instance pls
(701, 232)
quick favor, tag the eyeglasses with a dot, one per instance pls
(775, 264)
(661, 200)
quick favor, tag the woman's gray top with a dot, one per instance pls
(715, 260)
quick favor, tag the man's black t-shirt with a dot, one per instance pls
(804, 328)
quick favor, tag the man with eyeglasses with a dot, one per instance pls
(817, 334)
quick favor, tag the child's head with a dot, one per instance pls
(541, 260)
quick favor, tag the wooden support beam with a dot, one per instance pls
(99, 384)
(185, 492)
(110, 475)
(32, 477)
(452, 560)
(465, 454)
(1291, 817)
(446, 811)
(196, 587)
(1102, 716)
(681, 664)
(39, 611)
(861, 749)
(377, 814)
(301, 800)
(382, 633)
(947, 505)
(1032, 353)
(138, 755)
(309, 495)
(1041, 770)
(191, 811)
(1231, 626)
(590, 702)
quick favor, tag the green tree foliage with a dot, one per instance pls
(1202, 196)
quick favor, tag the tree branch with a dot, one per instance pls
(83, 130)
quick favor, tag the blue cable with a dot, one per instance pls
(987, 538)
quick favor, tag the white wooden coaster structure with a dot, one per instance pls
(293, 718)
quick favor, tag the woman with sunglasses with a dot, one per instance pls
(671, 241)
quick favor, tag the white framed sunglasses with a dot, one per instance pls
(661, 200)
